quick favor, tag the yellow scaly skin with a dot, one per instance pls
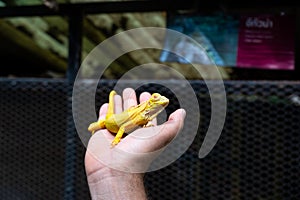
(130, 119)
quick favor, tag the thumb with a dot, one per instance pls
(154, 138)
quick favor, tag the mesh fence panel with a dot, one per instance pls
(256, 157)
(33, 139)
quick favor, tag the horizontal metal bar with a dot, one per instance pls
(135, 6)
(98, 7)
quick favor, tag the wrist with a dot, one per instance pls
(101, 175)
(107, 183)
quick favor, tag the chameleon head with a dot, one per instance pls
(158, 99)
(157, 103)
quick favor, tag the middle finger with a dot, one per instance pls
(129, 98)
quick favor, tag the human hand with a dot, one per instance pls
(134, 153)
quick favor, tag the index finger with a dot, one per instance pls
(129, 98)
(103, 111)
(145, 96)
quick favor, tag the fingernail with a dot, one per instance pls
(183, 112)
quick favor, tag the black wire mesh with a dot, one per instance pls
(256, 157)
(33, 139)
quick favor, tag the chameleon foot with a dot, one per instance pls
(149, 124)
(115, 142)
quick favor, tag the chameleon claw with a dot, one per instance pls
(115, 142)
(149, 124)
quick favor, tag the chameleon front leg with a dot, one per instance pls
(118, 136)
(149, 124)
(100, 124)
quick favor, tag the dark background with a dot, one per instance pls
(256, 157)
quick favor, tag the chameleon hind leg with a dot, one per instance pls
(110, 112)
(111, 104)
(100, 124)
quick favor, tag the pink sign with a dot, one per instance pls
(266, 42)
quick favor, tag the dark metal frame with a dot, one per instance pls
(76, 13)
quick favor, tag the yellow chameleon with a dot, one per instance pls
(130, 119)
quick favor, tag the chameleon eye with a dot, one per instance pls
(155, 96)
